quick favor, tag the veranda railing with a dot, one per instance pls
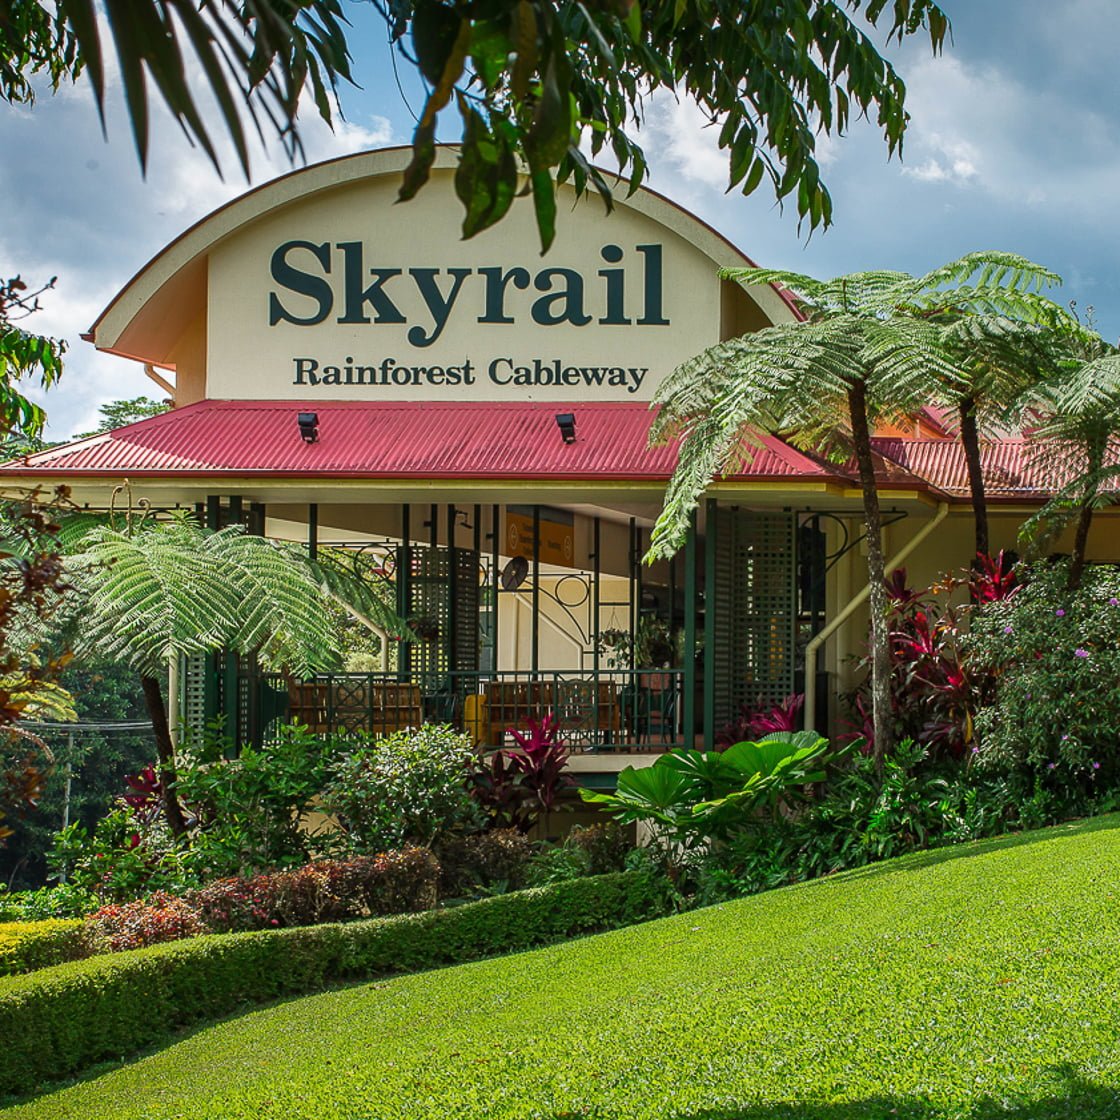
(608, 710)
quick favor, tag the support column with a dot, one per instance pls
(710, 545)
(496, 578)
(688, 657)
(535, 653)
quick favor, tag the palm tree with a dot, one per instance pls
(1076, 432)
(872, 347)
(152, 593)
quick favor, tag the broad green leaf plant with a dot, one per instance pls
(693, 797)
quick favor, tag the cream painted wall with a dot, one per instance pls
(249, 359)
(189, 359)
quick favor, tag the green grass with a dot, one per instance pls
(980, 982)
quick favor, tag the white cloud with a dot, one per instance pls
(79, 209)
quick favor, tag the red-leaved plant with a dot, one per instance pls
(754, 723)
(515, 785)
(933, 693)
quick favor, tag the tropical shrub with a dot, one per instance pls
(64, 900)
(697, 796)
(516, 785)
(26, 946)
(151, 921)
(608, 845)
(250, 808)
(597, 850)
(1052, 726)
(865, 813)
(935, 688)
(757, 721)
(58, 1021)
(483, 861)
(124, 857)
(408, 787)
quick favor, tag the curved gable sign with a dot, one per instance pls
(344, 295)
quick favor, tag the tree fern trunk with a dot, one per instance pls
(157, 710)
(1080, 544)
(970, 444)
(881, 715)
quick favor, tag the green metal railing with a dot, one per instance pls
(607, 710)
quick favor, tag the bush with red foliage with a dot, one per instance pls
(755, 722)
(395, 882)
(132, 925)
(934, 690)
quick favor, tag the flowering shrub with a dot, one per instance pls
(1053, 722)
(132, 925)
(409, 787)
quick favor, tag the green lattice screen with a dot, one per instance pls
(442, 601)
(753, 601)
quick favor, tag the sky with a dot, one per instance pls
(1013, 144)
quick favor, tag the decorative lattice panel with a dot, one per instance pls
(754, 605)
(193, 673)
(441, 601)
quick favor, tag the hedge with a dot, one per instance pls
(25, 946)
(58, 1021)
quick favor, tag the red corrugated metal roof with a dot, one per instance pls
(1009, 468)
(372, 439)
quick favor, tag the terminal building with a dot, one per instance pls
(469, 420)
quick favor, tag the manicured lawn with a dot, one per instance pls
(981, 982)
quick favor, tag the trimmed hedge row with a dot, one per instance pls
(58, 1021)
(26, 946)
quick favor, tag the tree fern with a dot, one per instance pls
(874, 345)
(157, 591)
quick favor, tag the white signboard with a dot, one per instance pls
(346, 296)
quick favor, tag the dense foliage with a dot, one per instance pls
(531, 81)
(27, 946)
(1052, 724)
(408, 787)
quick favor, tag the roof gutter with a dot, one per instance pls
(853, 605)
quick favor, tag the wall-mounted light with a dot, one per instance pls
(566, 422)
(308, 426)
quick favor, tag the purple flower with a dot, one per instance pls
(1051, 766)
(1059, 613)
(1114, 602)
(1080, 652)
(975, 750)
(1096, 765)
(1064, 738)
(1007, 629)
